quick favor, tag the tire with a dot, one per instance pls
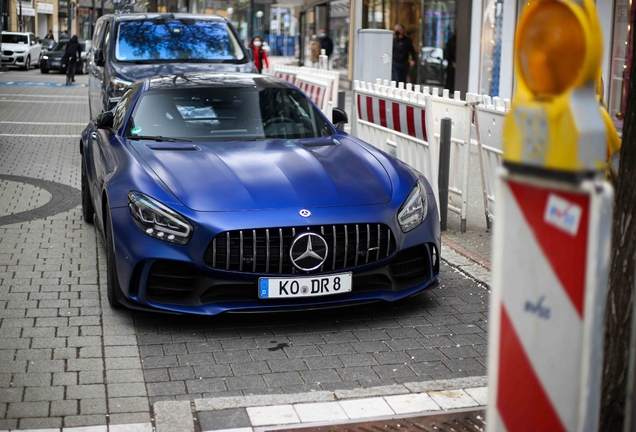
(87, 203)
(27, 63)
(84, 70)
(113, 290)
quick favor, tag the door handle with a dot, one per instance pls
(94, 135)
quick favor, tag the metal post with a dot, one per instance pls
(444, 170)
(630, 404)
(341, 99)
(20, 18)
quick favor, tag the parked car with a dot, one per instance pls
(52, 59)
(432, 68)
(20, 49)
(132, 46)
(218, 192)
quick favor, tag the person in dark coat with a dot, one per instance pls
(326, 43)
(402, 48)
(449, 56)
(260, 56)
(72, 55)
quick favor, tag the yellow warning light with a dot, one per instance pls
(551, 47)
(555, 122)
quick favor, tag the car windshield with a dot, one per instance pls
(177, 39)
(60, 46)
(226, 114)
(15, 39)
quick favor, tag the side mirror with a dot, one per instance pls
(445, 63)
(104, 120)
(339, 117)
(99, 57)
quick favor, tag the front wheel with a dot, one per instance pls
(84, 70)
(113, 290)
(27, 63)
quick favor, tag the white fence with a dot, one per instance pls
(489, 119)
(405, 121)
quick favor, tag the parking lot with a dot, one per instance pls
(67, 359)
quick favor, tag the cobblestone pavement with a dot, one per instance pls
(67, 359)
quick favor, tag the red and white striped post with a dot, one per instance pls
(552, 232)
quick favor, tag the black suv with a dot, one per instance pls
(134, 46)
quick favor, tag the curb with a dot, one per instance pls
(312, 408)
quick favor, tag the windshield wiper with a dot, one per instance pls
(157, 138)
(245, 139)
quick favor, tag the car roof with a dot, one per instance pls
(211, 79)
(153, 16)
(16, 33)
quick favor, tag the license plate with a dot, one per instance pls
(55, 63)
(304, 286)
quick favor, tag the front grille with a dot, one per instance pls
(8, 52)
(266, 250)
(170, 279)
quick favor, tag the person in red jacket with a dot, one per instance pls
(260, 56)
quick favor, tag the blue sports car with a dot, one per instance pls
(233, 193)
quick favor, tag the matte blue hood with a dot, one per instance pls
(269, 174)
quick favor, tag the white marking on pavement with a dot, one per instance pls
(42, 96)
(40, 136)
(43, 102)
(43, 123)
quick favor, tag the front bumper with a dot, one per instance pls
(157, 275)
(16, 59)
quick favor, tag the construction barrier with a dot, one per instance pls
(394, 120)
(461, 114)
(288, 73)
(489, 119)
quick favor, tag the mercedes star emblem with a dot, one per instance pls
(305, 213)
(308, 251)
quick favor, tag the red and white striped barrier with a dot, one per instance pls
(551, 255)
(395, 121)
(288, 73)
(489, 121)
(317, 89)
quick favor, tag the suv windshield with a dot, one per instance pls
(226, 114)
(177, 39)
(15, 39)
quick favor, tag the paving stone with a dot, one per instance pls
(223, 419)
(92, 364)
(85, 420)
(93, 406)
(166, 388)
(41, 423)
(11, 394)
(91, 377)
(206, 385)
(326, 362)
(253, 368)
(160, 362)
(320, 376)
(126, 390)
(245, 382)
(358, 360)
(64, 408)
(27, 409)
(358, 373)
(128, 404)
(38, 394)
(31, 380)
(94, 391)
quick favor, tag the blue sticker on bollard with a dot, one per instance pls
(538, 309)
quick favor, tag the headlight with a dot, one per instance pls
(20, 51)
(45, 57)
(119, 85)
(157, 220)
(414, 209)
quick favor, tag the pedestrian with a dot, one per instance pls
(449, 56)
(260, 56)
(314, 51)
(326, 43)
(402, 48)
(49, 35)
(64, 35)
(71, 56)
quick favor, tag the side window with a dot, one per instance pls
(121, 109)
